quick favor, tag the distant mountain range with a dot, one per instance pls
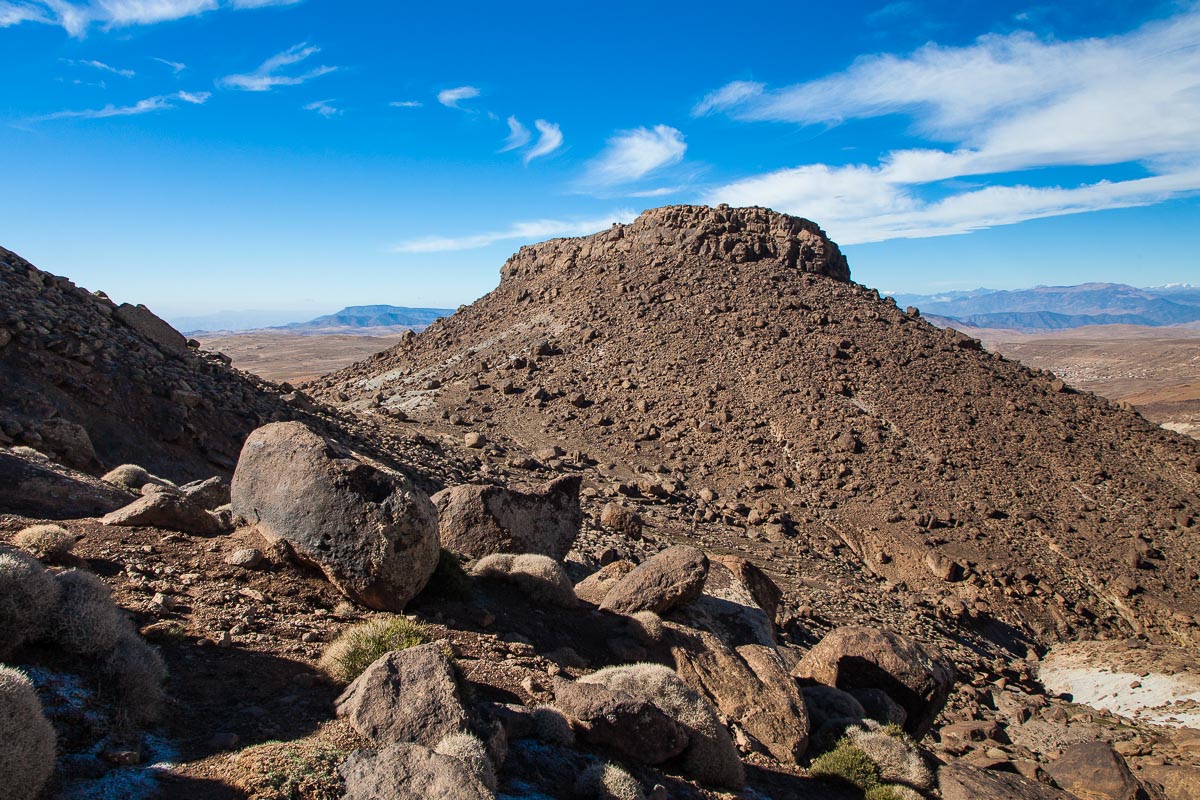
(371, 320)
(1057, 307)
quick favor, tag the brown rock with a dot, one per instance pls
(1174, 781)
(478, 520)
(959, 781)
(368, 528)
(169, 510)
(622, 520)
(596, 586)
(857, 657)
(766, 594)
(46, 490)
(145, 322)
(1094, 771)
(669, 579)
(405, 696)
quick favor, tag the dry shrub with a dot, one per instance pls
(28, 596)
(291, 771)
(898, 758)
(849, 764)
(137, 674)
(50, 542)
(710, 757)
(132, 477)
(605, 780)
(87, 620)
(361, 645)
(552, 726)
(27, 752)
(472, 753)
(541, 577)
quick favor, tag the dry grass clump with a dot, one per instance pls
(28, 595)
(541, 577)
(472, 753)
(361, 645)
(28, 739)
(892, 791)
(30, 453)
(551, 725)
(605, 780)
(137, 674)
(895, 754)
(87, 620)
(49, 542)
(710, 757)
(291, 771)
(132, 477)
(647, 627)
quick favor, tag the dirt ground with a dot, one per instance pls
(292, 357)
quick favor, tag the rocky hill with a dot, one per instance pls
(373, 317)
(721, 362)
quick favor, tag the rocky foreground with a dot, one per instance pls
(678, 511)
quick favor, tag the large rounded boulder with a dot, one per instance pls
(367, 527)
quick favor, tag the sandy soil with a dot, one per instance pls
(293, 357)
(1155, 369)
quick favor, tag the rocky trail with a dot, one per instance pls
(677, 511)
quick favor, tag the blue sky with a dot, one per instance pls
(199, 155)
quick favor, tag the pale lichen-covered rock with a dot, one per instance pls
(478, 520)
(368, 528)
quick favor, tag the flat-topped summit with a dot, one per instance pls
(691, 234)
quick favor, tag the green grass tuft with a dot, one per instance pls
(849, 764)
(360, 646)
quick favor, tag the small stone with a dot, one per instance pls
(246, 558)
(223, 741)
(474, 440)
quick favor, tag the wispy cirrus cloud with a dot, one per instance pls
(550, 138)
(150, 104)
(518, 135)
(77, 17)
(1007, 104)
(406, 104)
(451, 98)
(325, 108)
(530, 231)
(176, 66)
(271, 73)
(632, 155)
(100, 65)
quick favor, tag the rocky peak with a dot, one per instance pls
(721, 234)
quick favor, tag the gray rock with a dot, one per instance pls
(827, 702)
(596, 586)
(633, 727)
(405, 696)
(45, 490)
(246, 558)
(210, 494)
(669, 579)
(479, 520)
(145, 322)
(879, 707)
(165, 510)
(404, 771)
(368, 528)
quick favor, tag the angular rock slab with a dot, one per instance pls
(1094, 771)
(368, 528)
(958, 781)
(596, 586)
(45, 490)
(406, 771)
(165, 509)
(478, 520)
(405, 696)
(666, 580)
(859, 657)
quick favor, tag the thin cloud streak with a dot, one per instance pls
(324, 108)
(266, 77)
(531, 231)
(76, 18)
(451, 98)
(634, 154)
(176, 66)
(406, 104)
(100, 65)
(159, 103)
(518, 135)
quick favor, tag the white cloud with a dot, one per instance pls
(100, 65)
(75, 17)
(406, 104)
(518, 135)
(176, 66)
(550, 139)
(452, 97)
(324, 108)
(267, 76)
(631, 155)
(531, 231)
(159, 103)
(1007, 104)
